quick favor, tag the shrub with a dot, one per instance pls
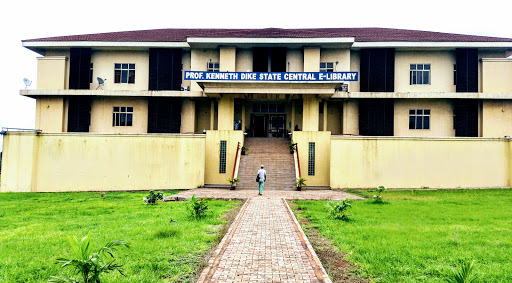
(464, 274)
(300, 182)
(234, 181)
(153, 197)
(90, 265)
(197, 208)
(378, 198)
(338, 210)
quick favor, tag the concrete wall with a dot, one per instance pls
(51, 72)
(411, 163)
(50, 114)
(441, 117)
(311, 59)
(198, 62)
(102, 109)
(88, 162)
(497, 76)
(322, 142)
(496, 118)
(212, 158)
(103, 67)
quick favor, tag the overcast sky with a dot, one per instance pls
(34, 19)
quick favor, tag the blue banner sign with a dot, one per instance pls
(272, 76)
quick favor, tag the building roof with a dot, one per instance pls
(359, 34)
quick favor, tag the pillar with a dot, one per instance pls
(293, 115)
(212, 114)
(188, 115)
(325, 115)
(227, 59)
(226, 113)
(310, 115)
(350, 120)
(312, 59)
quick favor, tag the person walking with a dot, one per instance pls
(262, 177)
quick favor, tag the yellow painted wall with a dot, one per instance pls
(226, 113)
(295, 58)
(441, 70)
(350, 118)
(227, 59)
(244, 60)
(342, 56)
(497, 76)
(185, 61)
(355, 66)
(212, 158)
(203, 109)
(334, 117)
(87, 162)
(60, 53)
(441, 117)
(50, 114)
(322, 142)
(103, 67)
(51, 72)
(411, 163)
(310, 117)
(198, 62)
(497, 118)
(486, 54)
(299, 110)
(188, 115)
(102, 109)
(311, 59)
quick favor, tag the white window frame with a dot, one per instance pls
(421, 115)
(326, 67)
(119, 113)
(213, 67)
(417, 74)
(124, 67)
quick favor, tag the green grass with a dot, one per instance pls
(34, 230)
(411, 237)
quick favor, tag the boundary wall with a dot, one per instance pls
(52, 162)
(415, 163)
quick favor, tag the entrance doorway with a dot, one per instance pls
(268, 125)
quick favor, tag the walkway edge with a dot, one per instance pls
(213, 262)
(305, 240)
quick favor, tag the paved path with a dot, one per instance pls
(246, 194)
(264, 244)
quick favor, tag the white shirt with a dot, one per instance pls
(263, 174)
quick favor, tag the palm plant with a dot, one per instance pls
(88, 263)
(465, 274)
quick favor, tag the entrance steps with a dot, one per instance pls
(275, 155)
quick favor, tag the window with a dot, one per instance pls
(124, 73)
(90, 74)
(419, 119)
(420, 74)
(122, 116)
(268, 107)
(326, 67)
(212, 67)
(222, 157)
(311, 160)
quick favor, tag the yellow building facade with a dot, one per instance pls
(171, 108)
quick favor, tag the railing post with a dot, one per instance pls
(236, 158)
(298, 160)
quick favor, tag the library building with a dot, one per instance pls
(342, 108)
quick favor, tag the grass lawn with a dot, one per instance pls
(34, 230)
(411, 237)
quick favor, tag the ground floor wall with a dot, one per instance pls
(405, 163)
(87, 162)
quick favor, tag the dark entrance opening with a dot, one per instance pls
(376, 117)
(164, 115)
(268, 125)
(79, 114)
(269, 59)
(465, 120)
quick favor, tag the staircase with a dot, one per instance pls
(275, 155)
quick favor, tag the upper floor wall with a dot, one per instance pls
(412, 71)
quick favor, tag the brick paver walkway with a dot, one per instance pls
(264, 244)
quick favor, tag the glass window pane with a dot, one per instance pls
(123, 109)
(419, 78)
(412, 112)
(419, 67)
(427, 67)
(123, 119)
(118, 119)
(132, 66)
(419, 112)
(131, 77)
(113, 119)
(256, 107)
(280, 107)
(129, 118)
(413, 74)
(426, 111)
(322, 65)
(426, 122)
(419, 122)
(330, 65)
(426, 76)
(124, 76)
(116, 108)
(413, 67)
(412, 122)
(117, 66)
(117, 76)
(124, 66)
(129, 109)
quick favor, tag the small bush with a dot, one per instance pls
(153, 197)
(378, 198)
(197, 208)
(338, 210)
(464, 274)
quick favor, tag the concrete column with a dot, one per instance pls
(50, 114)
(227, 59)
(226, 113)
(310, 115)
(312, 59)
(293, 116)
(350, 117)
(188, 116)
(243, 116)
(325, 115)
(212, 114)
